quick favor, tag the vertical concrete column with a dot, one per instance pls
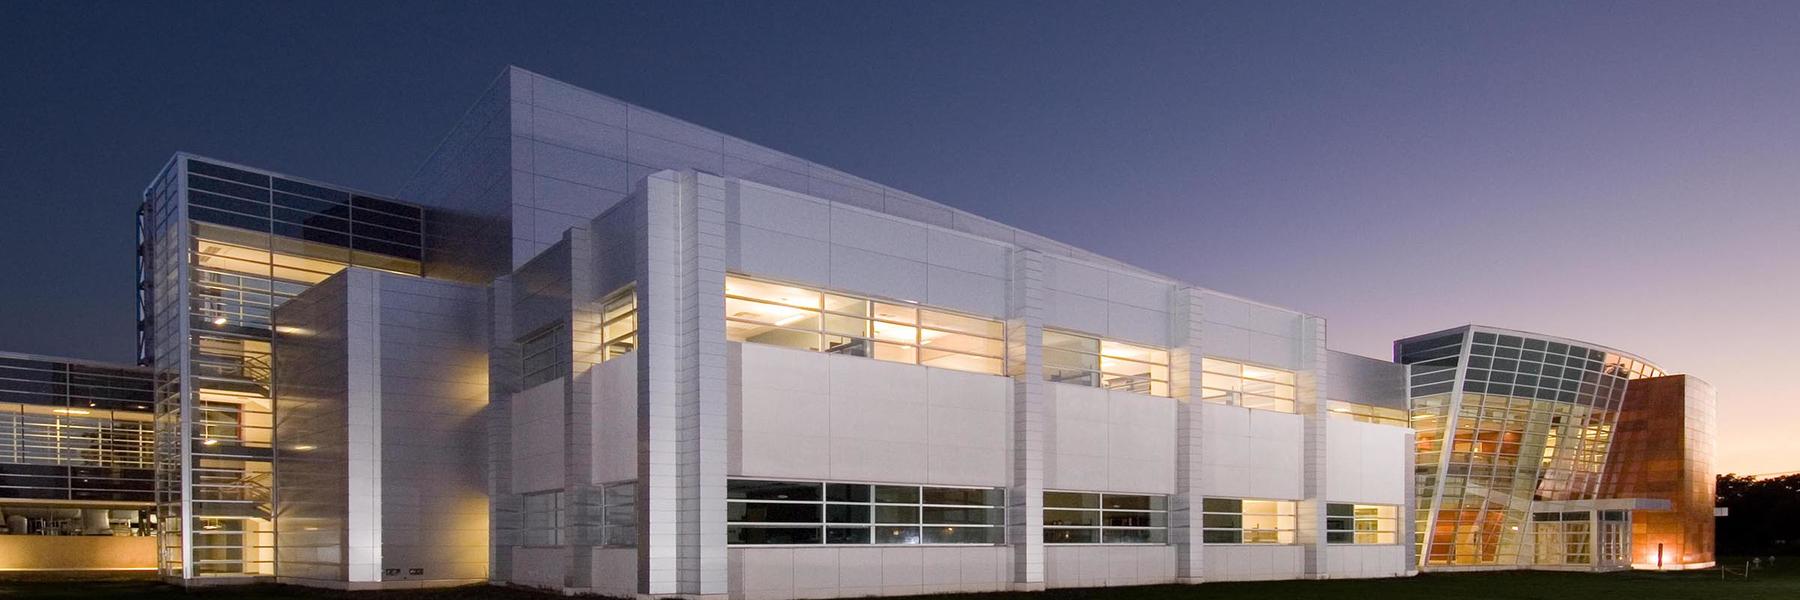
(659, 366)
(1408, 511)
(1186, 318)
(1025, 363)
(1312, 406)
(704, 404)
(682, 387)
(504, 518)
(580, 499)
(362, 417)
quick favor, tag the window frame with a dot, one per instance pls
(618, 308)
(1091, 368)
(1211, 376)
(901, 339)
(543, 519)
(1158, 505)
(549, 346)
(1348, 523)
(1210, 508)
(867, 500)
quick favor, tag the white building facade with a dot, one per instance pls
(720, 387)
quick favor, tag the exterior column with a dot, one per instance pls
(1025, 364)
(580, 498)
(1311, 405)
(682, 387)
(1185, 528)
(659, 361)
(504, 507)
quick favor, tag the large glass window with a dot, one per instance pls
(796, 317)
(618, 509)
(1361, 524)
(763, 512)
(1240, 521)
(1094, 518)
(1250, 386)
(543, 519)
(1087, 360)
(1367, 413)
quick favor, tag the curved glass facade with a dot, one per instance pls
(1514, 426)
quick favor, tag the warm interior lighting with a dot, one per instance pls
(70, 411)
(305, 447)
(218, 320)
(209, 442)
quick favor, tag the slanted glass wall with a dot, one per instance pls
(220, 248)
(1504, 420)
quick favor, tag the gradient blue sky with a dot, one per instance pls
(1624, 173)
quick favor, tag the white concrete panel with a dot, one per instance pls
(537, 438)
(780, 255)
(1218, 339)
(779, 210)
(579, 134)
(877, 233)
(965, 291)
(1225, 310)
(1140, 443)
(1366, 462)
(873, 273)
(615, 572)
(1274, 350)
(1274, 321)
(1134, 290)
(965, 253)
(1076, 312)
(1133, 324)
(1069, 276)
(1348, 561)
(615, 419)
(539, 567)
(1275, 455)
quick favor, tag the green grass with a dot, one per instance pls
(1782, 582)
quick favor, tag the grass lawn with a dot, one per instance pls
(1781, 582)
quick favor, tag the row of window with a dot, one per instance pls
(789, 512)
(783, 315)
(762, 512)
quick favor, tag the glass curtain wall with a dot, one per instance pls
(1503, 421)
(220, 248)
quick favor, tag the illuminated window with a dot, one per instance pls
(793, 512)
(1361, 524)
(795, 317)
(1091, 361)
(1367, 413)
(1250, 386)
(1239, 521)
(1092, 518)
(618, 330)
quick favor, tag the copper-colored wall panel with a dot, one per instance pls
(1663, 448)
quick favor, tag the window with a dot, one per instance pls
(772, 313)
(1091, 361)
(618, 509)
(1361, 524)
(543, 519)
(1367, 413)
(618, 328)
(1236, 521)
(543, 356)
(788, 512)
(1090, 518)
(1250, 386)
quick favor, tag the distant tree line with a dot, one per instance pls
(1764, 515)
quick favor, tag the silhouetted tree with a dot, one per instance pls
(1764, 515)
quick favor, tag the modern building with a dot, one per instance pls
(76, 482)
(1542, 452)
(592, 348)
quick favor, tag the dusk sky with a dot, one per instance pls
(1622, 173)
